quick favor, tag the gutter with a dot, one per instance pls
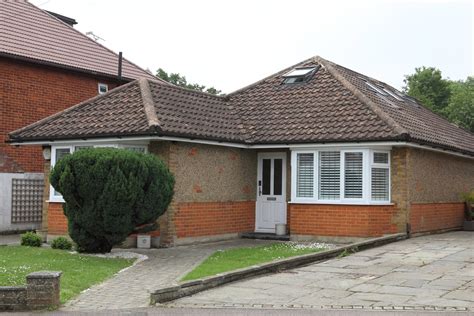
(242, 145)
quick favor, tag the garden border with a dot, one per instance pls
(192, 287)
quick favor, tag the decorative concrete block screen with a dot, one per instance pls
(41, 292)
(27, 200)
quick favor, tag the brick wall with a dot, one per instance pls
(425, 217)
(342, 220)
(214, 218)
(57, 221)
(42, 291)
(29, 93)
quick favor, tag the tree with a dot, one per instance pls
(452, 99)
(177, 79)
(460, 109)
(109, 192)
(428, 86)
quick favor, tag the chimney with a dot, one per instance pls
(120, 67)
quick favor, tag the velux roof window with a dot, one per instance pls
(298, 75)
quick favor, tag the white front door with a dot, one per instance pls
(271, 192)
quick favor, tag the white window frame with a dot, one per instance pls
(72, 148)
(100, 84)
(388, 166)
(367, 164)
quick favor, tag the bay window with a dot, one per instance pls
(355, 176)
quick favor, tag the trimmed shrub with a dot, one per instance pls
(31, 239)
(108, 192)
(61, 243)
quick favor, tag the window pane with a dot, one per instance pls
(380, 184)
(76, 148)
(138, 149)
(381, 158)
(266, 174)
(305, 175)
(329, 175)
(353, 175)
(60, 153)
(277, 176)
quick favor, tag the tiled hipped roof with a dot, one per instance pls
(29, 33)
(335, 105)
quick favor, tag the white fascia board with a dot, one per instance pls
(145, 139)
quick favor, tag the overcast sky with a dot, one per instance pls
(230, 44)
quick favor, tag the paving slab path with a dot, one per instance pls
(430, 272)
(131, 288)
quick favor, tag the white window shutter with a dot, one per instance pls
(380, 184)
(305, 175)
(353, 173)
(329, 175)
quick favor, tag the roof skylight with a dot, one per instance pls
(375, 88)
(299, 75)
(299, 72)
(393, 94)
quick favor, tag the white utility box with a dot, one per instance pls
(143, 241)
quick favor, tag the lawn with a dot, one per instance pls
(79, 271)
(232, 259)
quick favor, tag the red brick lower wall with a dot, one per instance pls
(196, 219)
(342, 220)
(57, 221)
(426, 217)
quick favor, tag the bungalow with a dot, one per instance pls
(325, 150)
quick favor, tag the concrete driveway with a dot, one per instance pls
(424, 273)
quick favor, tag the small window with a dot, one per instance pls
(392, 94)
(380, 176)
(380, 184)
(298, 75)
(298, 72)
(380, 157)
(353, 175)
(103, 88)
(277, 176)
(266, 176)
(60, 153)
(375, 88)
(329, 175)
(305, 175)
(77, 148)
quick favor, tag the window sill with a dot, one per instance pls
(56, 201)
(342, 203)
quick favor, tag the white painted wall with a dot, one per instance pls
(6, 201)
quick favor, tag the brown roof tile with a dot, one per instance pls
(335, 105)
(30, 33)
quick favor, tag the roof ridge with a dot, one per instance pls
(88, 38)
(270, 76)
(371, 105)
(169, 84)
(74, 107)
(149, 104)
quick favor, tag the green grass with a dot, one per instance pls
(79, 271)
(232, 259)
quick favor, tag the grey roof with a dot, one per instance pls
(334, 105)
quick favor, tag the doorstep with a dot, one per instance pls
(264, 236)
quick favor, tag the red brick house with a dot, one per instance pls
(45, 66)
(328, 151)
